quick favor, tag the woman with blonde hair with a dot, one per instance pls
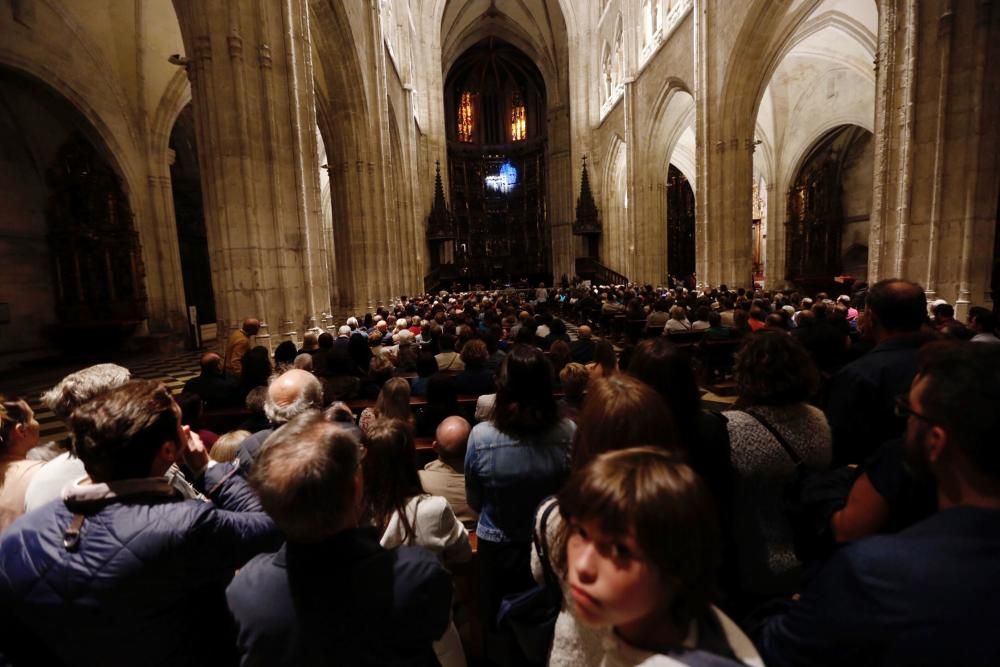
(393, 402)
(678, 322)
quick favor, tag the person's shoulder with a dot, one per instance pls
(417, 566)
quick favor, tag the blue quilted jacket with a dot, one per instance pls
(144, 586)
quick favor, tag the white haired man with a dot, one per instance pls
(291, 394)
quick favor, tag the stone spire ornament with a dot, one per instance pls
(440, 223)
(587, 220)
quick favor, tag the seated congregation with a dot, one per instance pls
(458, 480)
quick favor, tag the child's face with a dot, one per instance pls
(611, 583)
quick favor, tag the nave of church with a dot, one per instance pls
(169, 169)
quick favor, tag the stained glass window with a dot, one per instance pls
(466, 117)
(518, 121)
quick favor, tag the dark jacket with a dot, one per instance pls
(249, 448)
(216, 390)
(929, 595)
(475, 381)
(344, 601)
(862, 394)
(144, 583)
(582, 351)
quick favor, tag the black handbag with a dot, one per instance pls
(531, 616)
(809, 498)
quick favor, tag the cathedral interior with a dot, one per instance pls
(168, 169)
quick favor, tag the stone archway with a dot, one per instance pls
(189, 212)
(829, 206)
(68, 237)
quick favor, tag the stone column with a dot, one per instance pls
(935, 198)
(250, 65)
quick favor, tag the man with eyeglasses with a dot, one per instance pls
(929, 595)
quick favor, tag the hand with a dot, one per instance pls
(194, 453)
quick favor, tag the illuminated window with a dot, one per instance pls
(466, 118)
(518, 123)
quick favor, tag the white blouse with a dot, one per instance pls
(435, 527)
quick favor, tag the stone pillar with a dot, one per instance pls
(935, 198)
(251, 72)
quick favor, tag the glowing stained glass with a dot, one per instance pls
(518, 120)
(466, 118)
(504, 181)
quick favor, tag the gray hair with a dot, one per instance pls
(77, 388)
(344, 330)
(311, 398)
(352, 322)
(304, 361)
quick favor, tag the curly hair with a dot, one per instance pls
(773, 368)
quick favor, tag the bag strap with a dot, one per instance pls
(796, 459)
(541, 544)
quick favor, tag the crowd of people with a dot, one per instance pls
(844, 510)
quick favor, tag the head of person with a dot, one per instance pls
(130, 432)
(447, 342)
(309, 479)
(77, 388)
(256, 400)
(660, 364)
(393, 400)
(640, 546)
(895, 306)
(714, 319)
(211, 364)
(574, 378)
(255, 366)
(584, 332)
(310, 341)
(19, 430)
(559, 355)
(390, 472)
(284, 354)
(292, 393)
(325, 341)
(982, 320)
(604, 356)
(303, 362)
(774, 369)
(427, 365)
(474, 354)
(451, 439)
(251, 326)
(952, 419)
(191, 407)
(618, 412)
(944, 312)
(525, 404)
(228, 444)
(678, 313)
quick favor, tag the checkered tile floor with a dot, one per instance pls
(173, 369)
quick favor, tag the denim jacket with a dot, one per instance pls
(506, 477)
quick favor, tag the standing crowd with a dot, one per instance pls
(844, 511)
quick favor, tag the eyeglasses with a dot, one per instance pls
(902, 409)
